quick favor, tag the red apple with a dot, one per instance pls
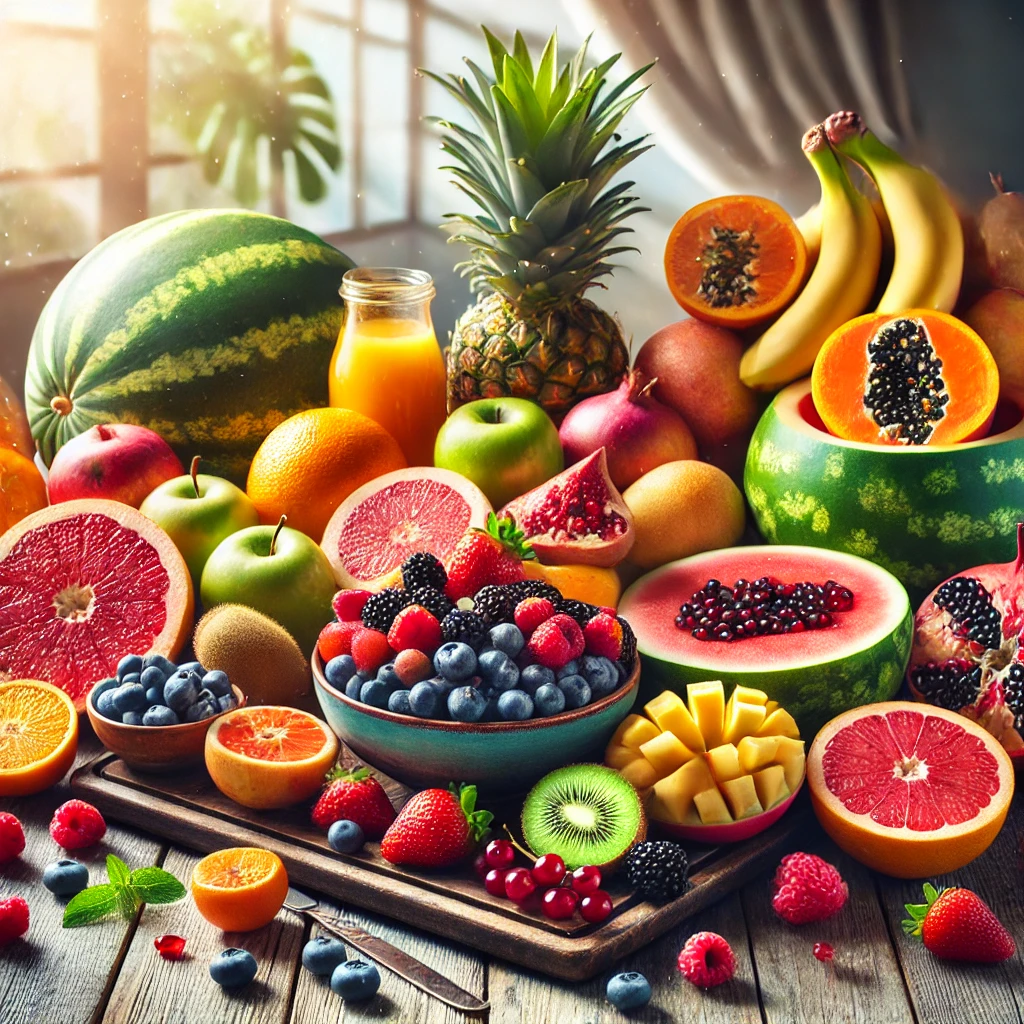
(118, 461)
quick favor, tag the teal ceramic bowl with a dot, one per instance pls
(497, 757)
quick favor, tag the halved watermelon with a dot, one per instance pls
(815, 674)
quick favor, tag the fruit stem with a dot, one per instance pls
(104, 431)
(515, 844)
(194, 473)
(61, 405)
(997, 182)
(277, 533)
(814, 139)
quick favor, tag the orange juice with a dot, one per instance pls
(387, 364)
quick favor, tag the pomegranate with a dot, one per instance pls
(968, 652)
(577, 517)
(636, 430)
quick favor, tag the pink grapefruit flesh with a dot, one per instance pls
(383, 522)
(82, 584)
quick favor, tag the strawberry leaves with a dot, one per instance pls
(919, 911)
(509, 536)
(124, 892)
(478, 821)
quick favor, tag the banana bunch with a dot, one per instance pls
(926, 234)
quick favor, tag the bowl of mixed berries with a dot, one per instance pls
(494, 689)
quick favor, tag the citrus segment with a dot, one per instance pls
(273, 734)
(38, 736)
(908, 791)
(239, 889)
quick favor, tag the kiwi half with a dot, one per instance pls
(586, 813)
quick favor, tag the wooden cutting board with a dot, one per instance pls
(187, 809)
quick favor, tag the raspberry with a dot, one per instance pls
(603, 636)
(415, 629)
(12, 837)
(556, 641)
(348, 604)
(13, 919)
(76, 824)
(807, 888)
(336, 639)
(370, 649)
(531, 612)
(706, 960)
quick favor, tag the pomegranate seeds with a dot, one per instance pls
(824, 951)
(706, 960)
(170, 947)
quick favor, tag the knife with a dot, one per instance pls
(394, 959)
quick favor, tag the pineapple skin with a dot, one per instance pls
(555, 358)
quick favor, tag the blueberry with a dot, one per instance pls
(491, 713)
(534, 676)
(354, 686)
(128, 697)
(201, 710)
(399, 702)
(233, 968)
(628, 991)
(355, 979)
(507, 637)
(576, 690)
(455, 661)
(338, 671)
(131, 718)
(105, 706)
(321, 955)
(345, 837)
(425, 699)
(129, 663)
(570, 668)
(601, 674)
(387, 674)
(155, 695)
(498, 670)
(159, 715)
(131, 679)
(206, 695)
(65, 877)
(180, 691)
(515, 706)
(165, 665)
(217, 683)
(152, 676)
(227, 703)
(192, 666)
(103, 685)
(466, 704)
(375, 693)
(548, 700)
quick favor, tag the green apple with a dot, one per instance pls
(198, 511)
(278, 571)
(506, 446)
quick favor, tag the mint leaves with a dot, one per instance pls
(124, 893)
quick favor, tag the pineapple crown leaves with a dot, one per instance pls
(919, 911)
(509, 535)
(479, 821)
(539, 169)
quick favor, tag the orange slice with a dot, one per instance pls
(239, 889)
(270, 756)
(908, 790)
(38, 736)
(591, 583)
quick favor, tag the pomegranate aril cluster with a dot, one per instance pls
(761, 607)
(970, 606)
(581, 510)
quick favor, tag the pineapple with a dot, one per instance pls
(539, 168)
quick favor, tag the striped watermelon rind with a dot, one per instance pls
(924, 513)
(208, 326)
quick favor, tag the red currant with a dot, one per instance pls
(559, 904)
(480, 866)
(595, 907)
(500, 853)
(548, 869)
(494, 882)
(170, 947)
(586, 879)
(824, 952)
(519, 885)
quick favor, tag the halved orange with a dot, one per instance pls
(269, 756)
(239, 889)
(38, 736)
(590, 583)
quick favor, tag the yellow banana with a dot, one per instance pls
(929, 243)
(809, 225)
(840, 286)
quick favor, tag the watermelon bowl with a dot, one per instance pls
(496, 757)
(923, 512)
(816, 674)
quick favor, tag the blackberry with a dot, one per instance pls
(464, 627)
(433, 600)
(580, 611)
(970, 606)
(422, 569)
(536, 588)
(381, 608)
(657, 870)
(1013, 690)
(628, 655)
(952, 685)
(495, 604)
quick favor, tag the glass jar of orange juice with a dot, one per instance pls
(387, 363)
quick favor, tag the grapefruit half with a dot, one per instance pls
(910, 791)
(381, 523)
(83, 583)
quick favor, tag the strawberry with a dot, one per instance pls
(957, 924)
(491, 556)
(354, 796)
(436, 828)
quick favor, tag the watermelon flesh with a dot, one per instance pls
(814, 674)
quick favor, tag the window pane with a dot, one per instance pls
(164, 14)
(334, 8)
(74, 13)
(388, 18)
(48, 101)
(183, 187)
(48, 220)
(385, 128)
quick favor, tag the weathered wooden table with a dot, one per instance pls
(110, 971)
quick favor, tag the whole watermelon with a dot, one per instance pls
(208, 326)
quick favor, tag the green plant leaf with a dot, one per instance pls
(155, 885)
(117, 871)
(90, 905)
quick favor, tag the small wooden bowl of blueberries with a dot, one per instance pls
(154, 714)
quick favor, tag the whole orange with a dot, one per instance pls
(239, 889)
(309, 464)
(22, 488)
